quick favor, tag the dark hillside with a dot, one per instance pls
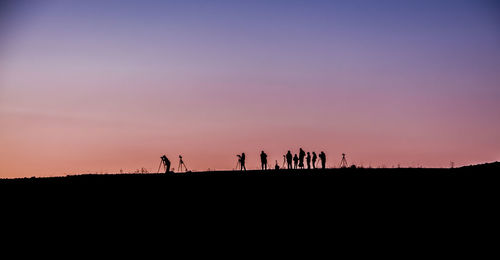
(490, 170)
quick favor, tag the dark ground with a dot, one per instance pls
(294, 201)
(489, 171)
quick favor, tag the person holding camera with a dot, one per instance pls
(241, 160)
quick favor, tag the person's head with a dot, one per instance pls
(308, 153)
(262, 152)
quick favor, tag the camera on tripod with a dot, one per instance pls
(182, 165)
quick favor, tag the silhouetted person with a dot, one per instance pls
(276, 167)
(308, 159)
(322, 157)
(295, 161)
(242, 161)
(314, 159)
(289, 158)
(166, 163)
(263, 160)
(302, 155)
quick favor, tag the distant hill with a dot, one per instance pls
(488, 170)
(486, 166)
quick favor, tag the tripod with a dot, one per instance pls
(181, 165)
(343, 163)
(238, 164)
(161, 163)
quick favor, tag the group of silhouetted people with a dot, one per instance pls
(298, 160)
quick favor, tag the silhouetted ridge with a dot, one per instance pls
(484, 172)
(494, 165)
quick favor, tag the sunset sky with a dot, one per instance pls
(96, 86)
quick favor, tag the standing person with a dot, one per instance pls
(295, 161)
(314, 159)
(263, 160)
(289, 158)
(308, 158)
(166, 163)
(302, 155)
(322, 156)
(242, 161)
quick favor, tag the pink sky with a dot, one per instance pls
(84, 92)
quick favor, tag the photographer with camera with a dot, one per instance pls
(166, 163)
(241, 161)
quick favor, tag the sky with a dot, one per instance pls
(100, 86)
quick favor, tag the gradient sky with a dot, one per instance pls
(98, 86)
